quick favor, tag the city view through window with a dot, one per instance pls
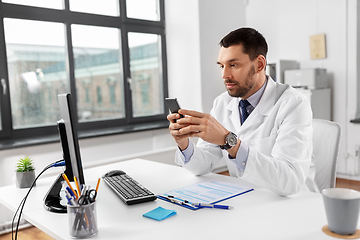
(38, 73)
(109, 55)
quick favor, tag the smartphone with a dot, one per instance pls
(173, 105)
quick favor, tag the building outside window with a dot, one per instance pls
(110, 56)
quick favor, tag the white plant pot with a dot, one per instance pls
(25, 179)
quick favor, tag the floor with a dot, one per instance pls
(343, 183)
(33, 233)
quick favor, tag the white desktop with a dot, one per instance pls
(259, 214)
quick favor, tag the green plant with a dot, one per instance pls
(25, 164)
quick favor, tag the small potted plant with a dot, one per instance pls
(25, 172)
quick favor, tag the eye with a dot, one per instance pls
(221, 66)
(233, 65)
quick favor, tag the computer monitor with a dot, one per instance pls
(67, 115)
(71, 154)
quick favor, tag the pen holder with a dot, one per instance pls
(82, 220)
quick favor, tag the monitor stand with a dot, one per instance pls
(52, 199)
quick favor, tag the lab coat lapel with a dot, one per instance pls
(268, 99)
(233, 107)
(263, 108)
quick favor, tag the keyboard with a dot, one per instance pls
(129, 190)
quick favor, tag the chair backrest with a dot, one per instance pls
(326, 140)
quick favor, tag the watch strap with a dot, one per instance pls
(226, 146)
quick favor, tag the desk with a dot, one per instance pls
(259, 214)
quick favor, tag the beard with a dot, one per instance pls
(241, 91)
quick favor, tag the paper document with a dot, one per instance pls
(208, 192)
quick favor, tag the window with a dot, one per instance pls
(143, 9)
(97, 64)
(145, 59)
(30, 60)
(55, 4)
(103, 7)
(110, 55)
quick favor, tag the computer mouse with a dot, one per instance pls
(114, 173)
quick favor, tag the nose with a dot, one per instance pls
(226, 72)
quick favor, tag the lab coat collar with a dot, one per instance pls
(267, 100)
(261, 110)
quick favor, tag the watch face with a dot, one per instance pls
(231, 139)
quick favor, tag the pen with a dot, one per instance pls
(178, 201)
(70, 192)
(69, 200)
(67, 180)
(70, 197)
(185, 201)
(204, 205)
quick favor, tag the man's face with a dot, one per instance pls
(237, 71)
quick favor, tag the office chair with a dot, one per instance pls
(326, 139)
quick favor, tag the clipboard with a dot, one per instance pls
(208, 192)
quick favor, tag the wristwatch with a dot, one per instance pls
(230, 141)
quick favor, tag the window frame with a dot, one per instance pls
(10, 138)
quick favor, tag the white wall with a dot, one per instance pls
(217, 18)
(194, 29)
(287, 26)
(183, 52)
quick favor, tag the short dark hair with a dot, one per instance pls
(254, 44)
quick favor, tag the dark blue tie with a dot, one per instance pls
(244, 110)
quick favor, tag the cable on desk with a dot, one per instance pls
(59, 163)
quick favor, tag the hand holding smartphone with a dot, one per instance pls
(173, 105)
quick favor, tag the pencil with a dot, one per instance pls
(77, 186)
(67, 180)
(97, 185)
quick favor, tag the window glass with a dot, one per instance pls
(55, 4)
(103, 7)
(143, 9)
(98, 69)
(37, 72)
(146, 74)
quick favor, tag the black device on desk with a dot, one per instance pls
(71, 154)
(127, 188)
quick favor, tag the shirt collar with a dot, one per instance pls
(255, 98)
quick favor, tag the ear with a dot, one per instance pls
(261, 63)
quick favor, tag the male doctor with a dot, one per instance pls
(262, 128)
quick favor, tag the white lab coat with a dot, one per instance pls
(278, 133)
